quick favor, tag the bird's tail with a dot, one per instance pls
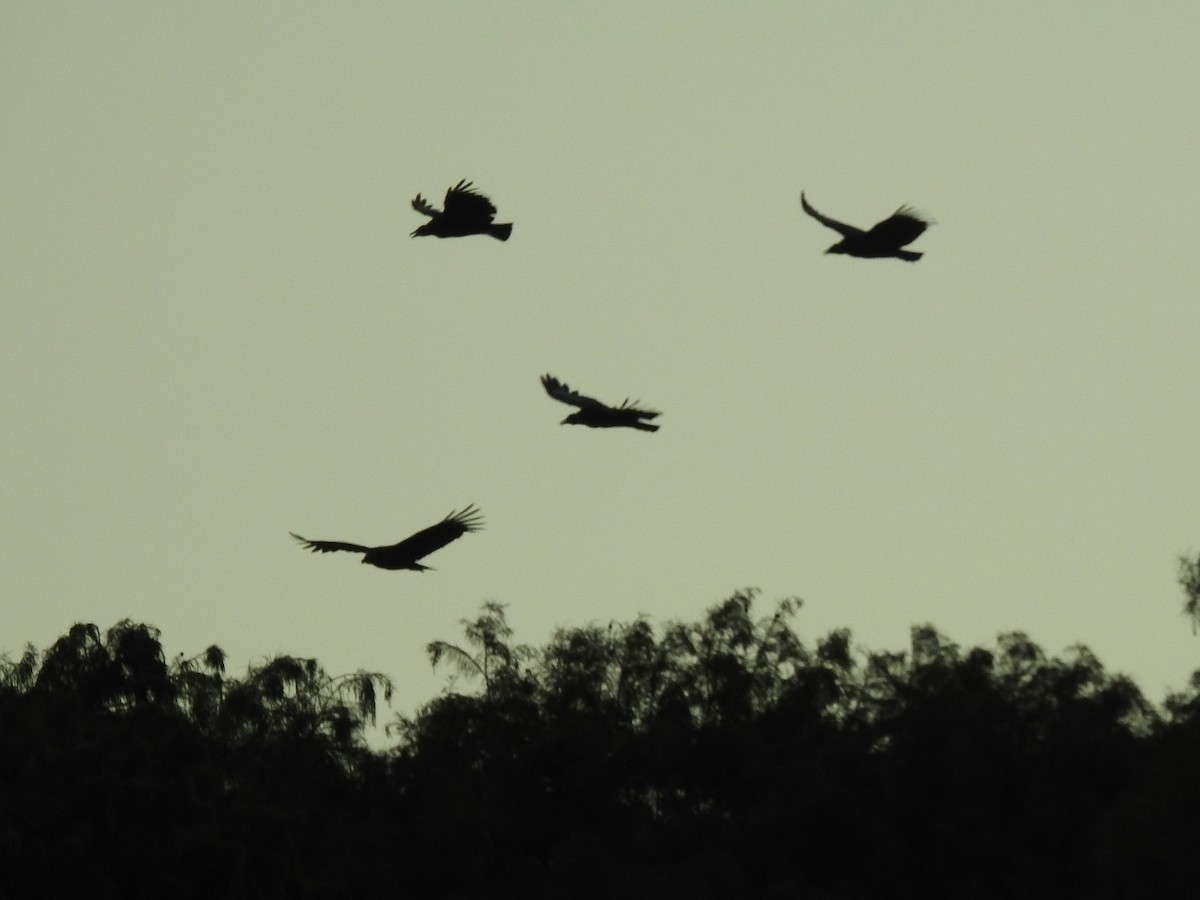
(909, 255)
(500, 232)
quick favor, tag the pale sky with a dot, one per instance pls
(215, 328)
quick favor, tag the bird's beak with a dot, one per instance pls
(563, 422)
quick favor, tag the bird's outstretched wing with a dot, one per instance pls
(561, 392)
(328, 546)
(637, 411)
(841, 227)
(462, 200)
(421, 205)
(903, 227)
(437, 536)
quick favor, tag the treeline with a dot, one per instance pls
(722, 758)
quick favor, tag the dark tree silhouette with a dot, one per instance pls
(495, 661)
(884, 239)
(702, 759)
(595, 414)
(730, 747)
(405, 554)
(138, 778)
(466, 212)
(1189, 580)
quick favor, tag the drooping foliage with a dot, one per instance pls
(123, 775)
(723, 757)
(1189, 580)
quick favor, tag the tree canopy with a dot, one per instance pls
(712, 758)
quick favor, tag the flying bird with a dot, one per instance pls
(595, 414)
(466, 212)
(885, 239)
(405, 554)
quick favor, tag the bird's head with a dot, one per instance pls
(572, 419)
(839, 247)
(418, 232)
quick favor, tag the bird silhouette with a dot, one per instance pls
(466, 212)
(884, 239)
(595, 414)
(405, 554)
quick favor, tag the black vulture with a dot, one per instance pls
(595, 414)
(405, 554)
(466, 212)
(885, 239)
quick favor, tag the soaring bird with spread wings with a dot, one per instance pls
(405, 554)
(884, 239)
(466, 212)
(595, 414)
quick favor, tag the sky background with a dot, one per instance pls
(215, 329)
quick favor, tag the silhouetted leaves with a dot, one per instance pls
(723, 757)
(134, 777)
(1189, 580)
(493, 658)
